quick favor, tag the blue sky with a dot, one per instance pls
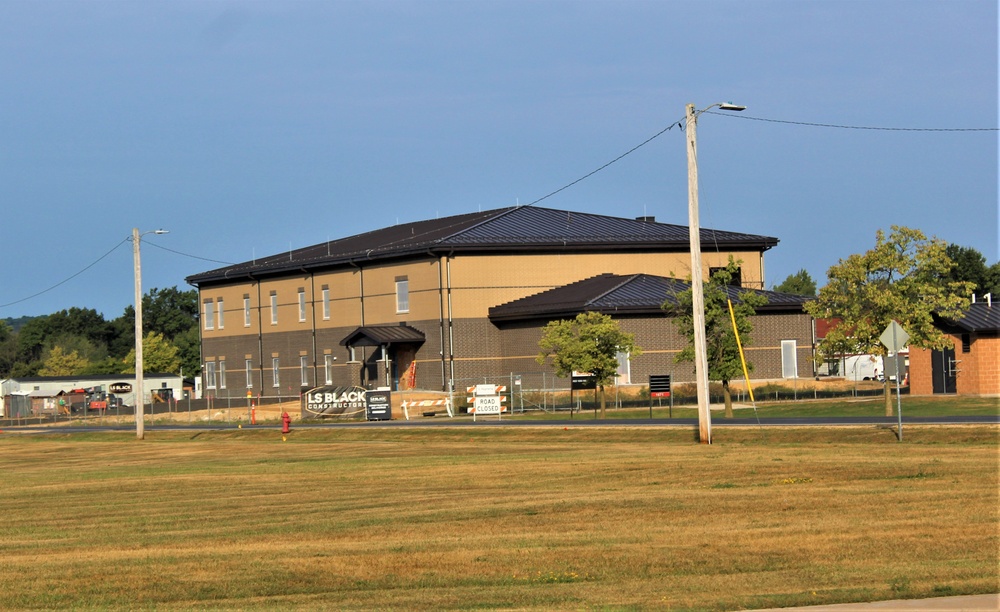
(248, 128)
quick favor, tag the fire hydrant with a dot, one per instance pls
(285, 421)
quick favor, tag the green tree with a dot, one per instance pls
(799, 283)
(61, 363)
(721, 350)
(170, 312)
(8, 349)
(158, 355)
(589, 343)
(970, 266)
(905, 278)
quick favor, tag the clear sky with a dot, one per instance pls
(248, 128)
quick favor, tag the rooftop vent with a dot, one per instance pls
(646, 219)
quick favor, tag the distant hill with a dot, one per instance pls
(18, 323)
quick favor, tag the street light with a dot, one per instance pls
(697, 291)
(136, 238)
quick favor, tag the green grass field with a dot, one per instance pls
(526, 518)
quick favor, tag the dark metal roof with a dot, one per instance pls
(520, 228)
(378, 335)
(617, 294)
(981, 317)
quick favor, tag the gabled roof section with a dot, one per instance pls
(980, 318)
(520, 228)
(617, 294)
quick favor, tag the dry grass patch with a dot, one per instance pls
(517, 519)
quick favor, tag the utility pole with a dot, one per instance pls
(137, 266)
(139, 424)
(697, 289)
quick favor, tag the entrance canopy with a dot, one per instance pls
(383, 335)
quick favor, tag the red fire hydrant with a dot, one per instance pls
(285, 422)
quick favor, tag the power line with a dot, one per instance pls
(589, 174)
(153, 244)
(853, 127)
(63, 282)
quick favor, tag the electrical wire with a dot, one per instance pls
(852, 127)
(63, 282)
(153, 244)
(589, 174)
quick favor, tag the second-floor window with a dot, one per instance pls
(209, 314)
(402, 294)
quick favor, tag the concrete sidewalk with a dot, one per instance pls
(960, 603)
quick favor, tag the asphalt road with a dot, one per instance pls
(581, 420)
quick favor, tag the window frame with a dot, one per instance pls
(402, 295)
(209, 315)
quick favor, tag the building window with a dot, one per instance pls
(326, 304)
(274, 308)
(328, 368)
(966, 343)
(789, 359)
(302, 305)
(210, 374)
(624, 374)
(209, 314)
(222, 373)
(222, 310)
(735, 281)
(249, 365)
(246, 311)
(275, 371)
(402, 294)
(304, 370)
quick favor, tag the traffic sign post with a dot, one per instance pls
(894, 338)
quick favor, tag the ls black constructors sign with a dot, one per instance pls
(659, 385)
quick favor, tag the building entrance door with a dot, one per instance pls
(943, 370)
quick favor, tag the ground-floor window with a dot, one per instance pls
(789, 359)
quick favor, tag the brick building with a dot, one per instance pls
(440, 293)
(971, 366)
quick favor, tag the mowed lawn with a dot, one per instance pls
(520, 518)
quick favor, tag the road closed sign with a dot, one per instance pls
(488, 404)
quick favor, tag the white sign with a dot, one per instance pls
(488, 404)
(894, 337)
(485, 390)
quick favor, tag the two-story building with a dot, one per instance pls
(361, 310)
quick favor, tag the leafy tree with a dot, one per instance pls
(8, 349)
(970, 265)
(589, 343)
(61, 363)
(905, 278)
(158, 355)
(799, 283)
(721, 350)
(170, 312)
(189, 350)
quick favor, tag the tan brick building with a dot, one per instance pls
(971, 366)
(360, 310)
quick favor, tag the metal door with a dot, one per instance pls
(943, 370)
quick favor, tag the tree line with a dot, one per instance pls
(80, 341)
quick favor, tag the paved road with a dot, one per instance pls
(970, 603)
(580, 420)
